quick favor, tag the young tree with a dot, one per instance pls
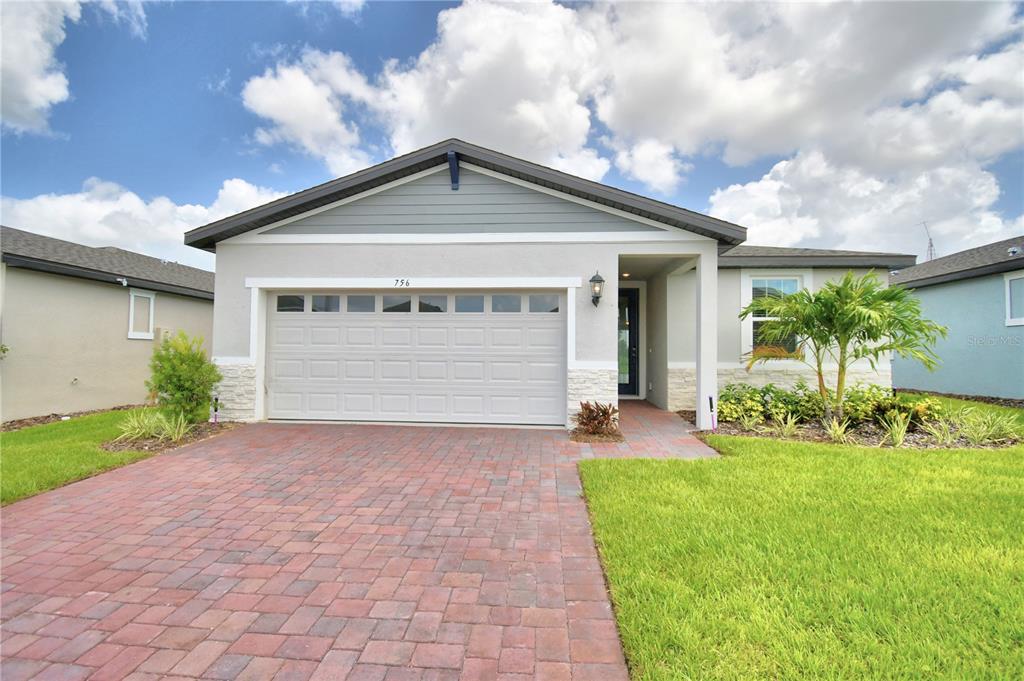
(855, 318)
(182, 378)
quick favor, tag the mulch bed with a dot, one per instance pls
(201, 431)
(50, 418)
(590, 438)
(864, 435)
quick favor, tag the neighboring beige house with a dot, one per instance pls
(80, 323)
(456, 284)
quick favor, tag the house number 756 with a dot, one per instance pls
(399, 283)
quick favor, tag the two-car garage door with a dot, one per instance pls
(433, 356)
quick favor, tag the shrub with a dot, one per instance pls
(738, 401)
(836, 430)
(785, 426)
(895, 424)
(749, 421)
(140, 424)
(595, 418)
(987, 428)
(942, 430)
(867, 403)
(182, 378)
(149, 424)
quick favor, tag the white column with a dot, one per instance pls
(707, 335)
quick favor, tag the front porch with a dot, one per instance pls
(667, 332)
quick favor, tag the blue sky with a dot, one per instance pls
(178, 113)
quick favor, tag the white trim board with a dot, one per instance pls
(404, 283)
(467, 238)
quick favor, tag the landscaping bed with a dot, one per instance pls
(18, 424)
(872, 416)
(199, 431)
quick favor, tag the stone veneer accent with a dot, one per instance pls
(237, 392)
(591, 385)
(682, 383)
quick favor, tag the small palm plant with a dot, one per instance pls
(855, 318)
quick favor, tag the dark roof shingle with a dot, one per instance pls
(974, 262)
(774, 256)
(28, 247)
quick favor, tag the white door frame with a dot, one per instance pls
(259, 286)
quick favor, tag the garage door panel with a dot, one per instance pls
(395, 369)
(451, 365)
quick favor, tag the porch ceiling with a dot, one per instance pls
(641, 267)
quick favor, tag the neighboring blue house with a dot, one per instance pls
(978, 295)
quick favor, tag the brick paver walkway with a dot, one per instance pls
(323, 551)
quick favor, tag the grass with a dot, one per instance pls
(793, 560)
(40, 458)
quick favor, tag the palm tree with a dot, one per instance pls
(855, 318)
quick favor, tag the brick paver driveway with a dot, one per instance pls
(322, 551)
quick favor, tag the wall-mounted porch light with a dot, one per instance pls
(596, 288)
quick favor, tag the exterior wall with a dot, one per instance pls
(981, 355)
(595, 344)
(69, 346)
(657, 342)
(482, 204)
(682, 335)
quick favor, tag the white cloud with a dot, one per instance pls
(348, 8)
(306, 112)
(33, 79)
(513, 77)
(128, 12)
(809, 201)
(654, 163)
(107, 214)
(887, 112)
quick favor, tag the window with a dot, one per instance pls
(469, 303)
(291, 303)
(771, 287)
(140, 314)
(433, 303)
(506, 303)
(1015, 299)
(398, 303)
(361, 303)
(547, 302)
(326, 303)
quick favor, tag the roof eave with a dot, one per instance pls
(50, 267)
(881, 260)
(959, 275)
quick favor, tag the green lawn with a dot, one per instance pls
(35, 459)
(797, 560)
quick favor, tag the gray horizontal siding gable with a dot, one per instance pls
(482, 203)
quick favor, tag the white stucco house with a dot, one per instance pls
(456, 284)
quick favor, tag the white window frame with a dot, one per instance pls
(804, 279)
(1007, 278)
(132, 295)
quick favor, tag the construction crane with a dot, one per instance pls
(930, 255)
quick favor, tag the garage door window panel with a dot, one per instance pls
(397, 304)
(544, 302)
(361, 303)
(291, 303)
(465, 304)
(433, 303)
(506, 303)
(326, 303)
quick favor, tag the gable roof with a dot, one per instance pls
(772, 256)
(974, 262)
(56, 256)
(207, 236)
